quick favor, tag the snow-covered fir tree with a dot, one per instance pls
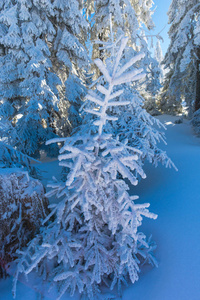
(91, 236)
(39, 49)
(127, 15)
(27, 86)
(182, 57)
(154, 81)
(151, 84)
(69, 58)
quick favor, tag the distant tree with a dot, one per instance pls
(182, 57)
(196, 122)
(158, 52)
(151, 84)
(197, 91)
(158, 55)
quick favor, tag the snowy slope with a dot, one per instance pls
(175, 197)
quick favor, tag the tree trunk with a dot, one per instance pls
(197, 97)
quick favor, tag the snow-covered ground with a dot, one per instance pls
(175, 197)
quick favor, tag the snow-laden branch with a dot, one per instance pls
(118, 77)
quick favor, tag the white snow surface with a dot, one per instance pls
(175, 197)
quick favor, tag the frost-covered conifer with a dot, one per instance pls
(27, 86)
(158, 52)
(182, 57)
(131, 17)
(127, 15)
(91, 236)
(69, 58)
(151, 85)
(40, 46)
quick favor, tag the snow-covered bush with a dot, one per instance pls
(94, 238)
(196, 122)
(23, 206)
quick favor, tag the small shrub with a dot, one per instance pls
(23, 206)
